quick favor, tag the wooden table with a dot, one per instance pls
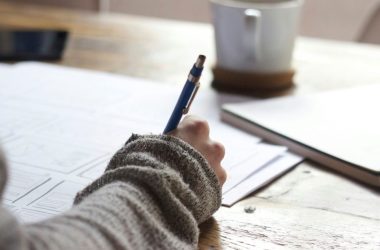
(309, 207)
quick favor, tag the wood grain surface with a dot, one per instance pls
(309, 207)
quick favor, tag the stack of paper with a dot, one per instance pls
(60, 126)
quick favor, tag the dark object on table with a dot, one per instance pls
(20, 45)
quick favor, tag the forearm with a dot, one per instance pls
(117, 216)
(143, 200)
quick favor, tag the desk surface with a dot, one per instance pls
(309, 207)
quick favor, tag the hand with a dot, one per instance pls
(196, 131)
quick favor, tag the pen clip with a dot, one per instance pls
(187, 108)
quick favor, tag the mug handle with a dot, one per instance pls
(251, 41)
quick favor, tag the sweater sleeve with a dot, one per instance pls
(154, 193)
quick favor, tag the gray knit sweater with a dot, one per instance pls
(153, 194)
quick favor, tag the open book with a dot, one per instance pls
(339, 129)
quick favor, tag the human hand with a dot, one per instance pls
(196, 131)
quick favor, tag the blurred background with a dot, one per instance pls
(348, 20)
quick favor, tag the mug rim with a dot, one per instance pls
(240, 4)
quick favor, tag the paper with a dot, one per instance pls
(259, 156)
(260, 179)
(22, 182)
(95, 171)
(60, 127)
(43, 152)
(338, 129)
(60, 198)
(33, 194)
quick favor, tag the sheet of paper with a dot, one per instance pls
(261, 178)
(60, 127)
(34, 193)
(22, 182)
(95, 170)
(258, 157)
(59, 199)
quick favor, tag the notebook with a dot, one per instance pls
(339, 129)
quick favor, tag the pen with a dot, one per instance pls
(187, 95)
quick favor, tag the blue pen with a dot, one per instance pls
(187, 95)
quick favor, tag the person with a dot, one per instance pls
(154, 193)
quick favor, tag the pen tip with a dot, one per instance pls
(200, 61)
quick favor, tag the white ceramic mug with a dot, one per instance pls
(255, 35)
